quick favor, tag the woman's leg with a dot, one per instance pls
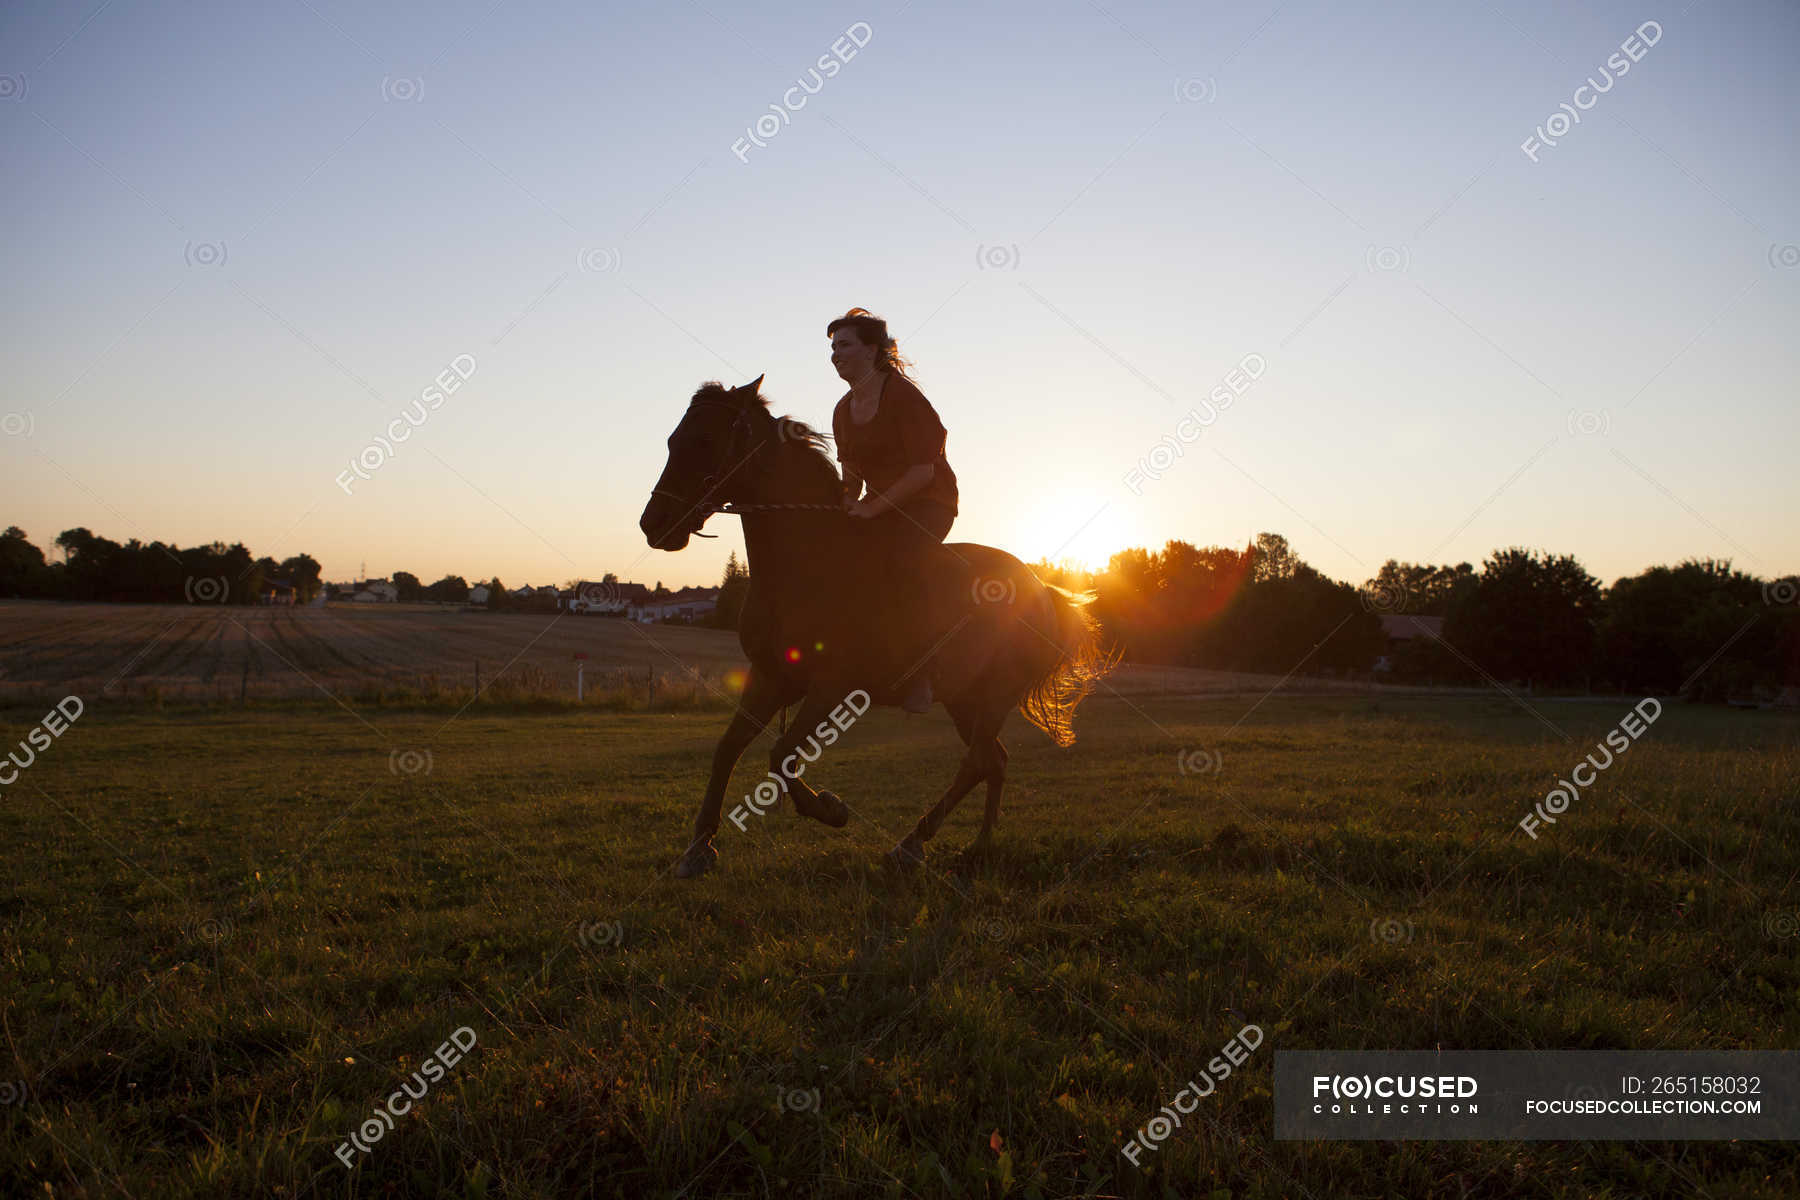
(915, 532)
(893, 542)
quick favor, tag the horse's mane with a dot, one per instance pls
(793, 429)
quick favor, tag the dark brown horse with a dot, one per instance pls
(816, 604)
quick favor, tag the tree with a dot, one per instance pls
(1207, 607)
(302, 570)
(89, 562)
(451, 588)
(21, 564)
(1699, 626)
(1530, 616)
(1274, 559)
(1151, 604)
(1127, 606)
(262, 571)
(1065, 573)
(497, 596)
(1300, 622)
(74, 542)
(408, 586)
(1417, 589)
(232, 563)
(734, 588)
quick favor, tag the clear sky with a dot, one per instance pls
(242, 239)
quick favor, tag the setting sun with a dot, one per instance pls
(1083, 527)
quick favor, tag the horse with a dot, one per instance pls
(813, 611)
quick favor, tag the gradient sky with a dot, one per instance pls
(1077, 219)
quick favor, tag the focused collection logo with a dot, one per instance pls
(1389, 1095)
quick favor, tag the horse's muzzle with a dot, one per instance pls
(661, 527)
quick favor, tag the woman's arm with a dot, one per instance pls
(853, 481)
(921, 438)
(903, 488)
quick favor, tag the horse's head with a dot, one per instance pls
(709, 463)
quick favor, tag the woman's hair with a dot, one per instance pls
(874, 332)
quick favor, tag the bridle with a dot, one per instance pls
(740, 425)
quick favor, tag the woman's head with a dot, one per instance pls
(860, 344)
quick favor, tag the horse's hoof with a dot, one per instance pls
(908, 853)
(697, 861)
(832, 811)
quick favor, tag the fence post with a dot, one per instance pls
(244, 685)
(478, 679)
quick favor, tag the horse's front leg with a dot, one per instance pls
(763, 694)
(824, 715)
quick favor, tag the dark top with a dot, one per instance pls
(904, 433)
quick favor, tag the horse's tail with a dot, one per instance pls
(1078, 664)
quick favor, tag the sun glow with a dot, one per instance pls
(1082, 527)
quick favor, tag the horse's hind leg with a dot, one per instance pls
(977, 763)
(988, 720)
(996, 779)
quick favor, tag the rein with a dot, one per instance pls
(733, 509)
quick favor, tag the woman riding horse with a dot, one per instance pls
(815, 626)
(890, 440)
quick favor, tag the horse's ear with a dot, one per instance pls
(755, 385)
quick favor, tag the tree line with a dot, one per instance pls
(99, 569)
(1527, 617)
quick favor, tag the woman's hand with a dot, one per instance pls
(862, 508)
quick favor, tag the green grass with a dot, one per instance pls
(228, 935)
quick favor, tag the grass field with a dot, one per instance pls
(231, 933)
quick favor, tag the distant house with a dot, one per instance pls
(375, 591)
(1401, 629)
(478, 594)
(277, 591)
(683, 607)
(602, 599)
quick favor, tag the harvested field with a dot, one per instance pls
(192, 652)
(210, 652)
